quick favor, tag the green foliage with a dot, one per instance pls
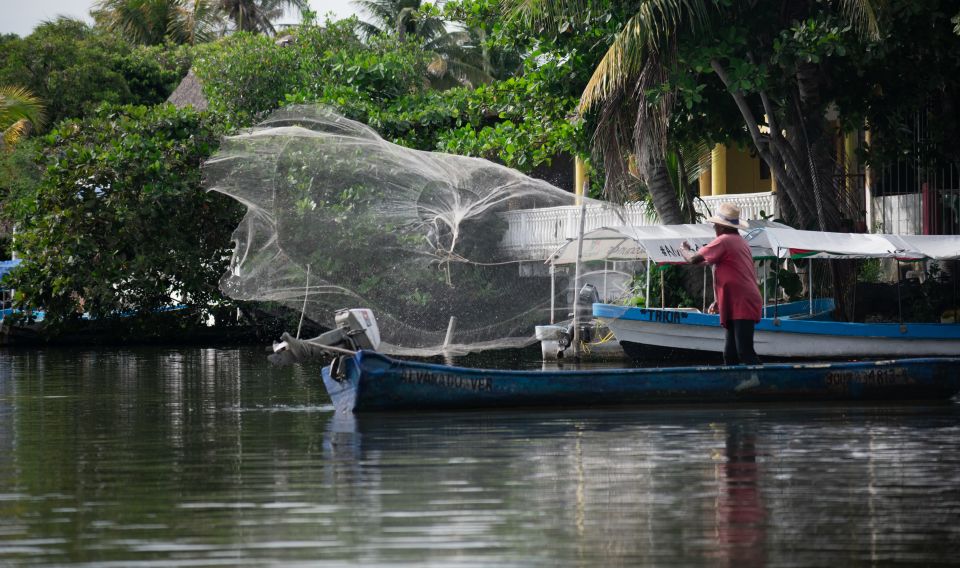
(913, 70)
(19, 177)
(118, 221)
(870, 270)
(245, 76)
(73, 68)
(787, 280)
(667, 285)
(522, 122)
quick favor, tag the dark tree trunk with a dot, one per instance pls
(663, 194)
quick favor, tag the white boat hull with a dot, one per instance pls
(788, 338)
(778, 344)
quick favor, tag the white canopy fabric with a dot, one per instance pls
(660, 243)
(817, 244)
(937, 247)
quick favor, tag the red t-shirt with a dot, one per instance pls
(737, 294)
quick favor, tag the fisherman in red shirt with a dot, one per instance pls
(738, 299)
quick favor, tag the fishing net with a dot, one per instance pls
(338, 217)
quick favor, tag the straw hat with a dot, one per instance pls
(728, 215)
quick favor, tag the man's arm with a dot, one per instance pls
(687, 253)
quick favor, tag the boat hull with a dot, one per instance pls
(781, 338)
(373, 382)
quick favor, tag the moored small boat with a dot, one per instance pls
(780, 337)
(369, 381)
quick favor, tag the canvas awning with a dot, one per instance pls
(660, 243)
(817, 244)
(937, 247)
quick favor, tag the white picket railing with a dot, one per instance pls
(532, 234)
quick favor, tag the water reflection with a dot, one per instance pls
(679, 486)
(206, 457)
(739, 513)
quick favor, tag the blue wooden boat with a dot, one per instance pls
(370, 381)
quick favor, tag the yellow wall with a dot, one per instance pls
(733, 171)
(743, 173)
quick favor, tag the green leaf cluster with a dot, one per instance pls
(73, 68)
(118, 222)
(522, 121)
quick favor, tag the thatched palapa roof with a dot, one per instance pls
(189, 93)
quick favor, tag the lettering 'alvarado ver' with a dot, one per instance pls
(869, 377)
(476, 384)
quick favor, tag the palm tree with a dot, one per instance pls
(194, 22)
(457, 55)
(257, 16)
(405, 18)
(20, 112)
(796, 144)
(152, 22)
(138, 21)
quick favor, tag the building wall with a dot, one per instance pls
(734, 171)
(743, 173)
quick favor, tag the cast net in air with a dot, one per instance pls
(338, 217)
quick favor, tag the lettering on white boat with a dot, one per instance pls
(869, 377)
(477, 384)
(663, 316)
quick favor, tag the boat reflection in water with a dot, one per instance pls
(683, 486)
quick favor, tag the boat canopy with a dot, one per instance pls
(937, 247)
(660, 244)
(819, 244)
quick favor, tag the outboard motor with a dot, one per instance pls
(355, 329)
(587, 296)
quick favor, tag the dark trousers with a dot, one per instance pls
(738, 350)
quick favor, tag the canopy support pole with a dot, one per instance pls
(604, 280)
(306, 294)
(646, 296)
(576, 283)
(764, 303)
(704, 288)
(663, 292)
(553, 292)
(776, 289)
(899, 303)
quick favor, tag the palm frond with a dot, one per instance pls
(863, 15)
(139, 21)
(544, 13)
(195, 21)
(647, 32)
(20, 112)
(18, 103)
(467, 74)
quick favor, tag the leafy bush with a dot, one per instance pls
(118, 221)
(74, 68)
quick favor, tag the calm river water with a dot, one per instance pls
(206, 457)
